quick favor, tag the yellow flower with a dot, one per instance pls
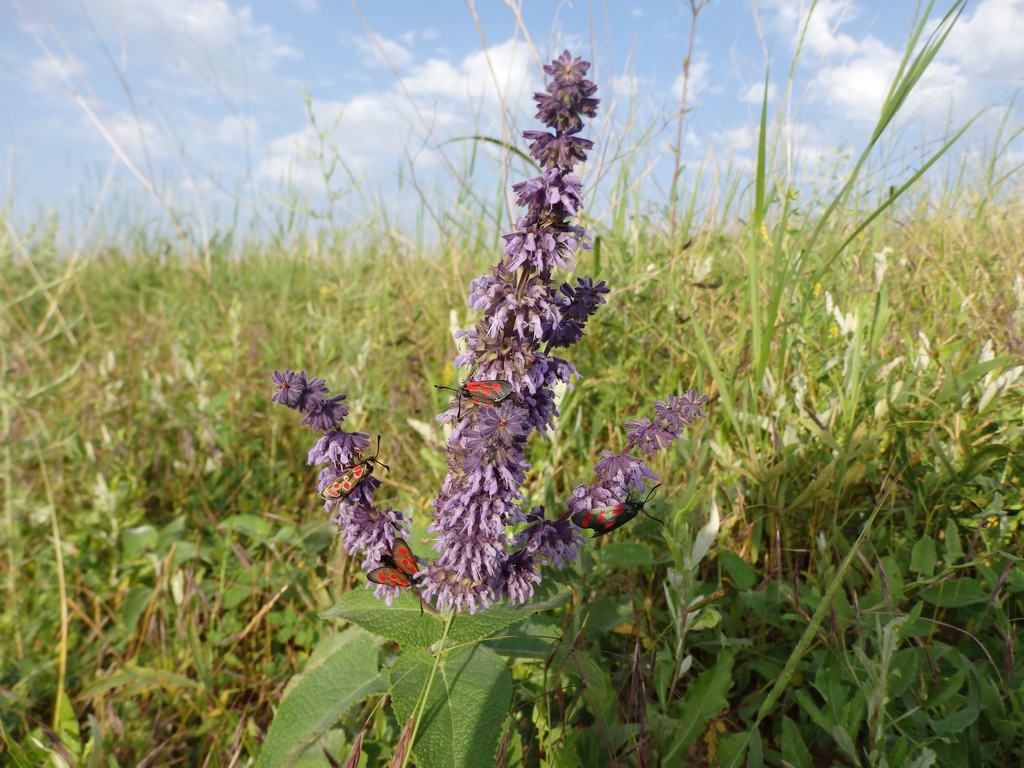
(833, 331)
(817, 290)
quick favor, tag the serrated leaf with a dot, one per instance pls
(341, 672)
(529, 639)
(794, 750)
(923, 556)
(403, 623)
(955, 594)
(704, 698)
(466, 628)
(592, 676)
(67, 729)
(467, 704)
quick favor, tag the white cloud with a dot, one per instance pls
(754, 94)
(307, 6)
(41, 75)
(699, 81)
(990, 41)
(236, 130)
(204, 48)
(139, 138)
(381, 52)
(379, 128)
(850, 76)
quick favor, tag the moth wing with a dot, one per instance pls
(391, 577)
(404, 558)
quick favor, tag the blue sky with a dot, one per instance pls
(202, 99)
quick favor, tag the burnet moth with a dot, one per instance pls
(486, 392)
(351, 476)
(602, 520)
(397, 568)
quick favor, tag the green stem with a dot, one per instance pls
(12, 565)
(62, 662)
(421, 705)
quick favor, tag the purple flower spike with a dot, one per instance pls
(523, 315)
(363, 526)
(619, 474)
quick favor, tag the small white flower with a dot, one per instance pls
(881, 264)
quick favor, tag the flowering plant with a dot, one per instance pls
(526, 315)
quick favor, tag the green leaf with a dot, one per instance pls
(794, 750)
(529, 639)
(142, 679)
(590, 677)
(732, 749)
(467, 628)
(954, 551)
(465, 709)
(923, 556)
(253, 526)
(67, 728)
(170, 533)
(135, 541)
(341, 672)
(200, 657)
(21, 760)
(955, 723)
(955, 594)
(605, 613)
(704, 699)
(217, 402)
(739, 571)
(624, 554)
(403, 623)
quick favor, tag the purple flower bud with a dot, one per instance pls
(516, 578)
(680, 412)
(648, 436)
(339, 447)
(551, 541)
(291, 388)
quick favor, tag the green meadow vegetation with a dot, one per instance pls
(839, 578)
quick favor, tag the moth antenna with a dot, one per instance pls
(648, 498)
(656, 519)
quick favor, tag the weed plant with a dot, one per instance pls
(837, 582)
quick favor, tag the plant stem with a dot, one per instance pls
(62, 662)
(12, 567)
(695, 6)
(421, 705)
